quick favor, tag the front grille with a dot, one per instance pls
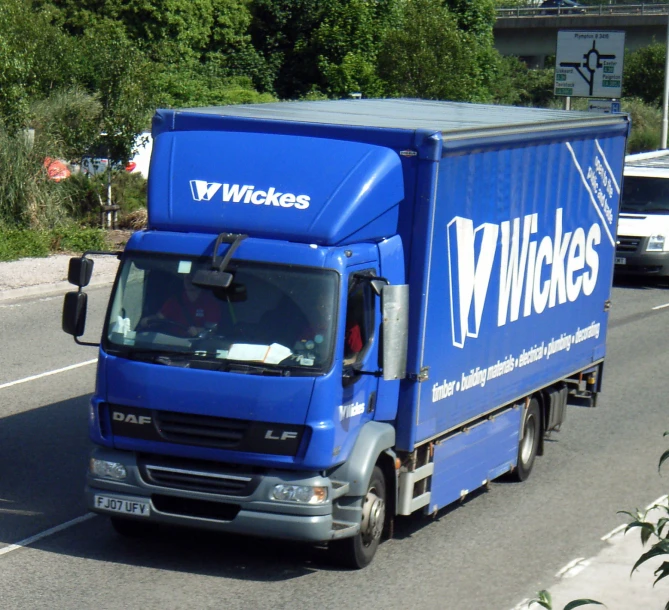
(198, 475)
(627, 245)
(186, 507)
(204, 430)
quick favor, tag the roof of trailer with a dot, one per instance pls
(404, 114)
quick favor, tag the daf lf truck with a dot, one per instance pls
(342, 312)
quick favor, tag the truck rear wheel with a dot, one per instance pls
(358, 551)
(529, 444)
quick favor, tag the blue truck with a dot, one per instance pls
(342, 312)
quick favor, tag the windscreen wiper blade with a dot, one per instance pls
(253, 368)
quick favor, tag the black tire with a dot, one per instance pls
(529, 444)
(131, 528)
(357, 552)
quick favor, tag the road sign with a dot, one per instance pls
(589, 64)
(605, 106)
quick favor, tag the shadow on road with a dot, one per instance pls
(43, 458)
(640, 283)
(43, 455)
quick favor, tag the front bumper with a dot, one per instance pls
(642, 263)
(252, 514)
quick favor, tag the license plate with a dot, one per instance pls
(120, 505)
(621, 261)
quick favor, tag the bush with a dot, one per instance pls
(646, 125)
(646, 122)
(129, 191)
(68, 122)
(77, 240)
(28, 199)
(22, 243)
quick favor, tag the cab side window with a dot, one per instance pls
(359, 322)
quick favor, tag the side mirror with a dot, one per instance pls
(395, 310)
(74, 313)
(80, 270)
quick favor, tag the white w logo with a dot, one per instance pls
(203, 190)
(469, 277)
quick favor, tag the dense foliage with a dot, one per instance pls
(87, 75)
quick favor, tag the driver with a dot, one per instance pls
(193, 309)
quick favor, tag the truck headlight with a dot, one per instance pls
(302, 494)
(655, 243)
(107, 470)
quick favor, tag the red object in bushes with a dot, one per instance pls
(56, 170)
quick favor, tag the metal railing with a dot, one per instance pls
(584, 11)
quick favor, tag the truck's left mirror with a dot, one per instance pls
(80, 271)
(74, 313)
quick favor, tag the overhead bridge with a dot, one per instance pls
(530, 32)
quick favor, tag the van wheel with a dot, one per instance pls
(131, 528)
(528, 446)
(358, 551)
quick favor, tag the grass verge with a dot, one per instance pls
(22, 243)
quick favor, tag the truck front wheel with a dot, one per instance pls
(358, 551)
(529, 444)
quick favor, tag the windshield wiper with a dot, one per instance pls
(253, 369)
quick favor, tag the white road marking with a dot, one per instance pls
(614, 532)
(47, 374)
(573, 568)
(661, 501)
(46, 533)
(661, 306)
(21, 304)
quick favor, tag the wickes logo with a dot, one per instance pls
(534, 273)
(245, 193)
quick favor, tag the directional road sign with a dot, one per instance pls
(589, 64)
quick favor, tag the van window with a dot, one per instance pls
(645, 195)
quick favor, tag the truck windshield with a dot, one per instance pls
(273, 319)
(645, 195)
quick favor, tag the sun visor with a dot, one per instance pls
(295, 188)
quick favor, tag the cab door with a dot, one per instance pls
(360, 350)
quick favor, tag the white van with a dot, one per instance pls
(643, 223)
(139, 163)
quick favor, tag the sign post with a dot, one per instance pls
(589, 64)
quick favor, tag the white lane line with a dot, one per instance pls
(661, 501)
(47, 374)
(573, 568)
(45, 533)
(615, 531)
(661, 306)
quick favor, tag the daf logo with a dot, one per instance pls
(271, 435)
(129, 418)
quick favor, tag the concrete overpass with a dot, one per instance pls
(531, 32)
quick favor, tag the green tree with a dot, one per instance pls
(282, 31)
(112, 67)
(348, 42)
(35, 58)
(516, 84)
(643, 75)
(67, 123)
(429, 56)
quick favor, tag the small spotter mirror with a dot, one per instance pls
(79, 271)
(212, 279)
